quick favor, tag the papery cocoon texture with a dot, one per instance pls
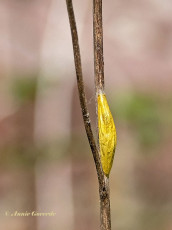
(107, 134)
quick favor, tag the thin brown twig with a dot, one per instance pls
(81, 90)
(105, 214)
(102, 179)
(98, 45)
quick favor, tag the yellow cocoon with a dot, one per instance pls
(107, 134)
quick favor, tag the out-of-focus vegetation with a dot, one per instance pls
(147, 116)
(24, 89)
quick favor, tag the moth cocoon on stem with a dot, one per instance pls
(107, 133)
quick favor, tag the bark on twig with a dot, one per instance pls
(98, 45)
(81, 90)
(105, 214)
(99, 81)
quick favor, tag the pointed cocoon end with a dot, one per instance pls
(107, 134)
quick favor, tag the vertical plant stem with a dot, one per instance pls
(98, 45)
(105, 214)
(99, 81)
(81, 91)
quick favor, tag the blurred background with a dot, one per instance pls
(45, 160)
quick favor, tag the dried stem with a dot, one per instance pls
(99, 85)
(81, 91)
(102, 179)
(98, 45)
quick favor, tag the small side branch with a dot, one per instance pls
(81, 91)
